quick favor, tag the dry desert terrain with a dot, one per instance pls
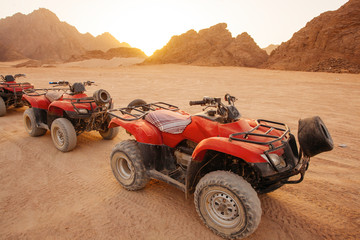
(47, 194)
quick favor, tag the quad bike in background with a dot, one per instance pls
(11, 92)
(67, 111)
(221, 157)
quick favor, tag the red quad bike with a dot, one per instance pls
(11, 92)
(67, 112)
(221, 157)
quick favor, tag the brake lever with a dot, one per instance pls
(209, 106)
(89, 83)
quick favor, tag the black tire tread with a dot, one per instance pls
(242, 189)
(135, 103)
(132, 151)
(2, 107)
(314, 137)
(71, 138)
(110, 134)
(34, 131)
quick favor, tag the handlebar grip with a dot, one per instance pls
(197, 102)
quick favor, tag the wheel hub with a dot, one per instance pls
(224, 206)
(123, 168)
(28, 122)
(223, 209)
(59, 136)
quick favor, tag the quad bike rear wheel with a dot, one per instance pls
(63, 134)
(109, 133)
(136, 103)
(30, 123)
(127, 165)
(227, 204)
(2, 107)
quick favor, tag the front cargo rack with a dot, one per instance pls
(271, 125)
(140, 111)
(85, 100)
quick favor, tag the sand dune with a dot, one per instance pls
(47, 194)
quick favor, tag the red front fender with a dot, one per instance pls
(246, 151)
(142, 130)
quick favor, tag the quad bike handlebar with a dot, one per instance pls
(214, 101)
(60, 83)
(66, 83)
(10, 78)
(228, 113)
(206, 101)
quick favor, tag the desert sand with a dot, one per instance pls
(47, 194)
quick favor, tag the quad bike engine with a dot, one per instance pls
(182, 158)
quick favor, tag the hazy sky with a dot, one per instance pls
(149, 24)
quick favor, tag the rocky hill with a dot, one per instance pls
(329, 42)
(101, 42)
(42, 36)
(213, 46)
(8, 54)
(123, 52)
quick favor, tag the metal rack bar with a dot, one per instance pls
(141, 110)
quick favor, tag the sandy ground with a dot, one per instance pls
(47, 194)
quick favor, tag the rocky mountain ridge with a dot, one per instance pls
(329, 42)
(40, 35)
(213, 46)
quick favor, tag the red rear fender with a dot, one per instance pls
(246, 151)
(37, 101)
(142, 130)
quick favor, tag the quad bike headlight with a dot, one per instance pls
(276, 159)
(83, 111)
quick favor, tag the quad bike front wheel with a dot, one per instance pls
(30, 123)
(2, 107)
(63, 134)
(227, 204)
(127, 165)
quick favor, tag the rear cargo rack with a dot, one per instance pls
(140, 110)
(14, 85)
(271, 125)
(41, 91)
(5, 92)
